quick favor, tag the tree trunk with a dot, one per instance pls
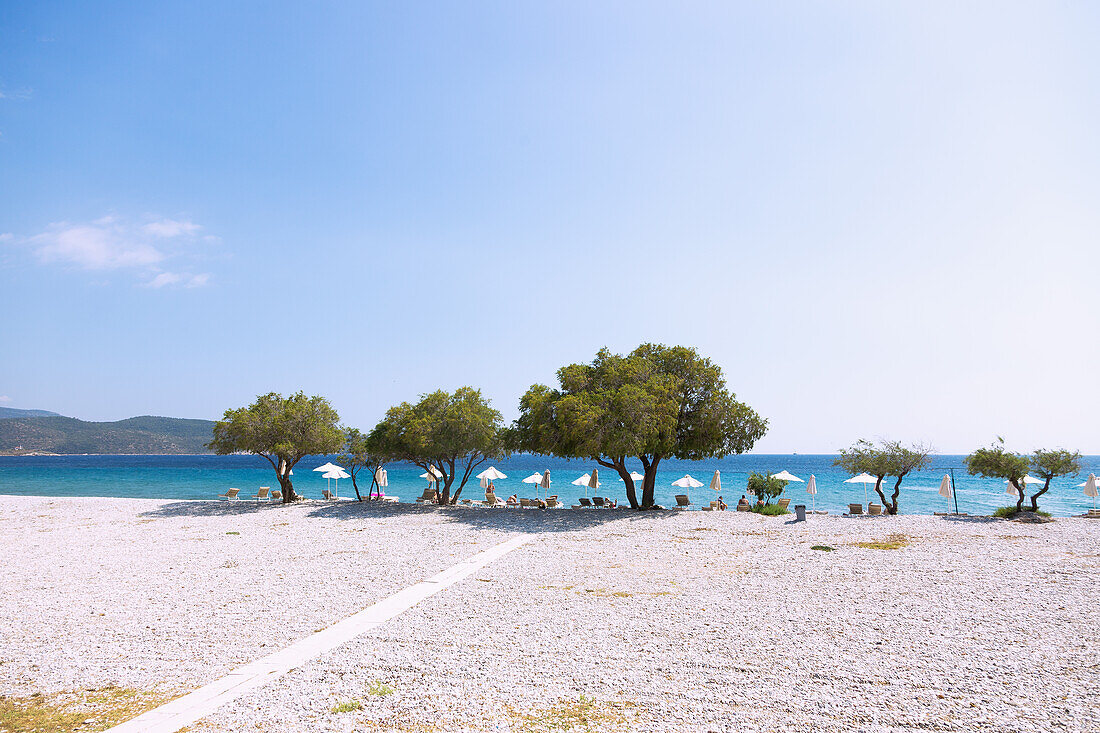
(1020, 494)
(878, 490)
(892, 506)
(355, 486)
(287, 487)
(649, 482)
(1035, 497)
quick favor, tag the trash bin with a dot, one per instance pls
(800, 512)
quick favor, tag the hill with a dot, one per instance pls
(146, 434)
(7, 413)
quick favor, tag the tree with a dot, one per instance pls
(997, 462)
(360, 452)
(282, 430)
(1049, 465)
(889, 458)
(453, 433)
(656, 402)
(765, 487)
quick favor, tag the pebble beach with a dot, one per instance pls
(604, 620)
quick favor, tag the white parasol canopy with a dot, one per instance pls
(716, 481)
(325, 468)
(336, 473)
(491, 473)
(586, 482)
(687, 482)
(787, 476)
(534, 479)
(633, 475)
(1090, 488)
(811, 489)
(945, 490)
(1031, 480)
(545, 482)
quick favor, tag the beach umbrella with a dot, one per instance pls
(687, 482)
(337, 474)
(382, 479)
(1010, 489)
(945, 490)
(716, 482)
(863, 478)
(811, 489)
(534, 478)
(583, 481)
(594, 479)
(492, 474)
(483, 483)
(545, 483)
(1090, 488)
(326, 467)
(1030, 480)
(787, 476)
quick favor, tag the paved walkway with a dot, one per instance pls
(185, 710)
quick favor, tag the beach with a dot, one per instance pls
(655, 621)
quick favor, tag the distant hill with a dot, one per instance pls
(146, 434)
(10, 412)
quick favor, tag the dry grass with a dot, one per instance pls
(891, 542)
(584, 714)
(84, 710)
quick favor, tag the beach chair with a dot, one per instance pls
(492, 500)
(429, 497)
(230, 495)
(331, 496)
(855, 509)
(526, 503)
(743, 506)
(262, 493)
(276, 495)
(874, 508)
(784, 503)
(551, 502)
(586, 503)
(598, 501)
(467, 502)
(682, 501)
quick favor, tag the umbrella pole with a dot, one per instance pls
(953, 492)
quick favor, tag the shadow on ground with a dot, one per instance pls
(512, 519)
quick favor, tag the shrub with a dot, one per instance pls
(765, 487)
(823, 548)
(378, 688)
(1009, 512)
(769, 510)
(348, 707)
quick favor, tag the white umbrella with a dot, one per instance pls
(534, 478)
(787, 476)
(545, 483)
(811, 489)
(483, 483)
(863, 478)
(634, 475)
(1029, 479)
(325, 468)
(336, 473)
(716, 481)
(1090, 488)
(492, 474)
(432, 474)
(945, 490)
(687, 482)
(1010, 489)
(583, 481)
(594, 479)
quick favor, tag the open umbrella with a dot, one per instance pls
(492, 474)
(534, 478)
(687, 482)
(326, 467)
(863, 478)
(945, 490)
(787, 476)
(337, 474)
(1090, 488)
(583, 481)
(811, 489)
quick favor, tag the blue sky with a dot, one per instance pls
(880, 218)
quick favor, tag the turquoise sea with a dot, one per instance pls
(203, 477)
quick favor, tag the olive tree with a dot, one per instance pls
(281, 429)
(654, 403)
(360, 452)
(1049, 465)
(453, 433)
(765, 487)
(887, 459)
(997, 462)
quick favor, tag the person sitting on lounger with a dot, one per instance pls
(513, 500)
(613, 504)
(721, 504)
(743, 502)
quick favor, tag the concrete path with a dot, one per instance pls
(185, 710)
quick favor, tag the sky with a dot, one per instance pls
(880, 219)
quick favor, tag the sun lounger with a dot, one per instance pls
(784, 503)
(585, 502)
(682, 501)
(492, 500)
(598, 501)
(743, 506)
(429, 497)
(328, 494)
(551, 502)
(276, 495)
(874, 509)
(527, 503)
(230, 495)
(855, 509)
(467, 502)
(1093, 514)
(262, 493)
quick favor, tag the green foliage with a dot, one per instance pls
(349, 706)
(769, 510)
(139, 435)
(997, 462)
(656, 402)
(1010, 512)
(1051, 464)
(823, 548)
(765, 487)
(378, 688)
(282, 430)
(361, 451)
(455, 433)
(888, 458)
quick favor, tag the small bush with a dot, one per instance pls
(769, 510)
(348, 707)
(1009, 512)
(893, 542)
(823, 548)
(378, 688)
(232, 532)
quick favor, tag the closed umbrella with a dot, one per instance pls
(945, 490)
(716, 482)
(811, 489)
(1090, 488)
(594, 479)
(863, 478)
(545, 483)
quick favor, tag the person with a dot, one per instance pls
(721, 504)
(513, 500)
(614, 504)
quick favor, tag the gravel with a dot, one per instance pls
(663, 621)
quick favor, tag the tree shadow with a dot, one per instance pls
(955, 518)
(208, 509)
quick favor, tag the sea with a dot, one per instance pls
(206, 476)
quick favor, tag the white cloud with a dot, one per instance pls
(164, 278)
(113, 243)
(4, 398)
(171, 228)
(6, 237)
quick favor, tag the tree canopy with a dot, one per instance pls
(282, 430)
(888, 458)
(451, 432)
(1051, 464)
(361, 451)
(765, 487)
(997, 462)
(656, 402)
